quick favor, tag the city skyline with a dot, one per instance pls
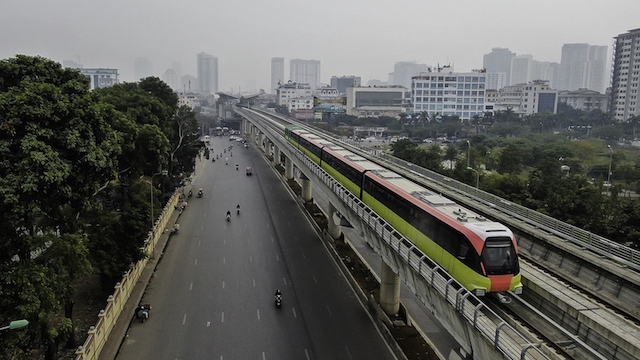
(169, 33)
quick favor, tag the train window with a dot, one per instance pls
(499, 256)
(463, 249)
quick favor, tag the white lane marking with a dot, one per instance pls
(295, 238)
(271, 239)
(264, 357)
(285, 280)
(314, 279)
(223, 284)
(294, 312)
(304, 256)
(196, 263)
(348, 353)
(208, 323)
(224, 242)
(199, 242)
(184, 319)
(254, 282)
(224, 260)
(278, 257)
(258, 311)
(329, 310)
(222, 318)
(250, 259)
(191, 287)
(307, 354)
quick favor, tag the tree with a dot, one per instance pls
(56, 151)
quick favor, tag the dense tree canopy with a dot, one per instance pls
(75, 166)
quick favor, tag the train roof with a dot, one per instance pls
(467, 218)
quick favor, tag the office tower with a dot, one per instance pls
(545, 70)
(171, 78)
(625, 77)
(496, 81)
(305, 72)
(499, 61)
(404, 70)
(521, 69)
(343, 82)
(142, 68)
(277, 73)
(449, 93)
(207, 73)
(598, 60)
(582, 66)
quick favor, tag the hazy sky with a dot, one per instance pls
(350, 37)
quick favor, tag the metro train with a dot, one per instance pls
(480, 254)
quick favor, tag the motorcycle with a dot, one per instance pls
(175, 229)
(142, 312)
(237, 167)
(228, 216)
(278, 300)
(200, 193)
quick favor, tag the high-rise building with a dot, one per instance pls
(521, 69)
(496, 81)
(142, 68)
(343, 82)
(499, 61)
(305, 72)
(582, 66)
(207, 73)
(449, 93)
(171, 78)
(625, 77)
(545, 70)
(277, 73)
(403, 71)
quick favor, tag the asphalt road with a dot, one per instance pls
(212, 293)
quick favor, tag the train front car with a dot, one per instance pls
(499, 255)
(480, 254)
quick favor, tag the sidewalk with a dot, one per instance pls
(119, 331)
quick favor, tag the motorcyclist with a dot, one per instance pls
(238, 209)
(237, 166)
(278, 293)
(228, 214)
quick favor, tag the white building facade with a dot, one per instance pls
(100, 77)
(625, 79)
(286, 93)
(526, 99)
(449, 93)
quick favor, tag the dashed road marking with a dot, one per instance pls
(307, 354)
(196, 262)
(294, 312)
(222, 317)
(184, 319)
(258, 312)
(208, 323)
(191, 287)
(277, 257)
(223, 284)
(329, 310)
(314, 279)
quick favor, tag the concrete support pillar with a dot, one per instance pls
(260, 140)
(389, 291)
(276, 155)
(306, 188)
(333, 227)
(267, 146)
(288, 168)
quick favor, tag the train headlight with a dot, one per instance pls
(479, 292)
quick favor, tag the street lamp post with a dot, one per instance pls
(153, 230)
(609, 173)
(477, 176)
(468, 153)
(16, 324)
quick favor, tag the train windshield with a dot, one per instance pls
(499, 256)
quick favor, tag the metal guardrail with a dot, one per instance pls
(503, 337)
